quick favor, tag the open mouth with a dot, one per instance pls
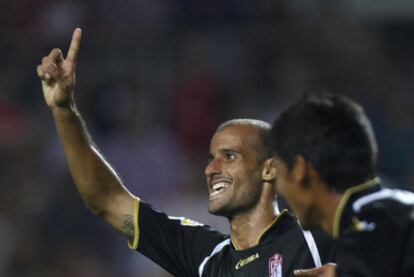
(217, 189)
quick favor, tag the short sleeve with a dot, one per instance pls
(373, 250)
(177, 244)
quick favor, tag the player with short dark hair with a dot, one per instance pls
(262, 241)
(326, 155)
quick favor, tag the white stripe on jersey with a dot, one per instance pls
(216, 249)
(312, 247)
(402, 196)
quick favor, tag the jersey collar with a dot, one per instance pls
(279, 220)
(364, 187)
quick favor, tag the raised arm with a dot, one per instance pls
(101, 189)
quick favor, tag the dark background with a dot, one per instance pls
(155, 78)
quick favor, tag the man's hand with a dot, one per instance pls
(58, 74)
(327, 270)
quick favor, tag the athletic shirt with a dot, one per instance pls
(374, 232)
(185, 247)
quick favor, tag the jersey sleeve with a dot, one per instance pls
(407, 267)
(177, 244)
(372, 246)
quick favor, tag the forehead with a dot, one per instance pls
(237, 137)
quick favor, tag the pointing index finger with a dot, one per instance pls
(74, 47)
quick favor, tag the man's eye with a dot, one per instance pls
(230, 156)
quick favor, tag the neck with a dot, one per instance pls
(328, 207)
(246, 228)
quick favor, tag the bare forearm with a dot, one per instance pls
(95, 179)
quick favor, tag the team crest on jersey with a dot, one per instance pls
(186, 221)
(275, 265)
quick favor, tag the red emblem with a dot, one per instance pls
(275, 265)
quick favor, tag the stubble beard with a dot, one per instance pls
(243, 205)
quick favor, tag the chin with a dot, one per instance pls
(215, 211)
(220, 211)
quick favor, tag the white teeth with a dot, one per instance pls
(214, 193)
(219, 186)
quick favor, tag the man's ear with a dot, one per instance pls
(299, 171)
(269, 170)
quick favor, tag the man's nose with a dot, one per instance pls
(213, 167)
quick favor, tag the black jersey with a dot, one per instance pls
(187, 248)
(375, 232)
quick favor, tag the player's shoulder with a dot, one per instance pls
(184, 221)
(148, 215)
(196, 226)
(385, 209)
(386, 201)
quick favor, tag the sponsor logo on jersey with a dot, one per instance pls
(244, 262)
(275, 265)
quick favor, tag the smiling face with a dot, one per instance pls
(234, 171)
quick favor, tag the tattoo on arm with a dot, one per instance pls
(128, 226)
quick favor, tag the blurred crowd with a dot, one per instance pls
(154, 80)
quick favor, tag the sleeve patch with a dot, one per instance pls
(186, 221)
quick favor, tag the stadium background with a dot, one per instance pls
(154, 80)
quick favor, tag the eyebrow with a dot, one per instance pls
(232, 151)
(222, 151)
